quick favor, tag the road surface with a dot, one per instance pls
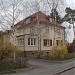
(46, 67)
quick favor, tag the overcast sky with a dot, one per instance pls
(70, 36)
(71, 3)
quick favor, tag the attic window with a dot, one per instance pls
(50, 20)
(28, 20)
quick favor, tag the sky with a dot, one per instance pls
(71, 3)
(70, 35)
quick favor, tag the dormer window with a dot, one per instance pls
(50, 20)
(28, 20)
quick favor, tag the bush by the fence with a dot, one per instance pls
(58, 52)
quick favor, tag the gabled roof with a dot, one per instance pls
(34, 17)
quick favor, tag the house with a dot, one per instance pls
(38, 32)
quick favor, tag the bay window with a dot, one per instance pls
(32, 41)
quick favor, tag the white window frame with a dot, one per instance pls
(32, 30)
(58, 31)
(47, 29)
(48, 42)
(32, 41)
(21, 41)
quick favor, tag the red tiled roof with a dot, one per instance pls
(34, 17)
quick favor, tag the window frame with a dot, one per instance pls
(28, 20)
(32, 30)
(47, 29)
(47, 42)
(31, 41)
(20, 41)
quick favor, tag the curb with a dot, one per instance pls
(64, 70)
(63, 61)
(15, 71)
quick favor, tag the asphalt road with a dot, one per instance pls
(44, 67)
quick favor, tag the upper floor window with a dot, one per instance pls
(18, 31)
(58, 31)
(20, 41)
(46, 29)
(32, 30)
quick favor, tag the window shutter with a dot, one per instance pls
(44, 42)
(61, 42)
(28, 41)
(57, 42)
(50, 42)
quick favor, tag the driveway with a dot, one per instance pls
(45, 67)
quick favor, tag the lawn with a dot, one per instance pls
(66, 57)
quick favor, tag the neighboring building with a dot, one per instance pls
(38, 32)
(5, 35)
(73, 43)
(71, 46)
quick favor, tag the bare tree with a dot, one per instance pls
(11, 11)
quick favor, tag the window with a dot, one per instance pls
(28, 20)
(21, 41)
(58, 32)
(50, 20)
(18, 31)
(32, 41)
(32, 30)
(57, 42)
(61, 42)
(47, 42)
(50, 42)
(46, 29)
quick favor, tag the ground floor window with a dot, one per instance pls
(32, 41)
(47, 42)
(59, 42)
(20, 41)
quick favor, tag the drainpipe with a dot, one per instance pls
(24, 44)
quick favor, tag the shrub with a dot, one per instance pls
(6, 50)
(9, 57)
(59, 52)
